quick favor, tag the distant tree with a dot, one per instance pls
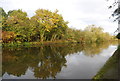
(95, 34)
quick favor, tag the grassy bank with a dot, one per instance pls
(32, 44)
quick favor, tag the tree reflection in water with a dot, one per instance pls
(45, 61)
(110, 70)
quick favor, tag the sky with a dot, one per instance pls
(79, 13)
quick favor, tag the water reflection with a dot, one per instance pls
(110, 70)
(45, 61)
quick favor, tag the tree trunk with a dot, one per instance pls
(42, 36)
(53, 37)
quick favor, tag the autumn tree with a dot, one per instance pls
(49, 25)
(19, 23)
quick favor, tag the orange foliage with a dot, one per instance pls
(8, 36)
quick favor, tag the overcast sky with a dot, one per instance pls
(79, 13)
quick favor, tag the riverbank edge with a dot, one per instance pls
(32, 44)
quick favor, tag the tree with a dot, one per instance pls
(49, 25)
(3, 13)
(116, 12)
(19, 23)
(96, 34)
(3, 17)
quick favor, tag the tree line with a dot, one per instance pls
(45, 25)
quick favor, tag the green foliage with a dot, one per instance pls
(90, 34)
(96, 34)
(2, 12)
(3, 17)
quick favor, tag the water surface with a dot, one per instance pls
(60, 61)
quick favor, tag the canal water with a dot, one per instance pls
(57, 61)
